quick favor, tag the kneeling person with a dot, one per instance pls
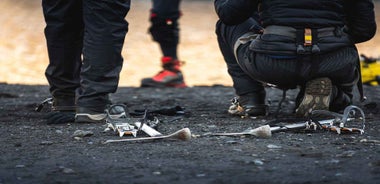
(294, 43)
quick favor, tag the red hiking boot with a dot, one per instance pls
(170, 76)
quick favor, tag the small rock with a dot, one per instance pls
(156, 173)
(82, 133)
(68, 171)
(272, 146)
(334, 161)
(258, 162)
(346, 154)
(78, 138)
(46, 143)
(59, 131)
(201, 175)
(338, 174)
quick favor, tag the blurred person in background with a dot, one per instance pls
(164, 29)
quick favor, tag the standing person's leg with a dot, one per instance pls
(165, 26)
(164, 29)
(64, 35)
(251, 92)
(104, 34)
(64, 38)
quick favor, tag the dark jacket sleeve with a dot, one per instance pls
(232, 12)
(360, 17)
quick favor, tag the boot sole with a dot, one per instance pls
(316, 97)
(152, 83)
(90, 118)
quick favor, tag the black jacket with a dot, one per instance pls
(357, 15)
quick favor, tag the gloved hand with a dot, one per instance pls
(59, 117)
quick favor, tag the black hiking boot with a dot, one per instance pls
(61, 110)
(251, 104)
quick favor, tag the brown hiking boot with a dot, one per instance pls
(317, 96)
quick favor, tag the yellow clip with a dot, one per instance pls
(308, 37)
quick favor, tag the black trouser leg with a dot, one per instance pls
(64, 36)
(164, 25)
(227, 36)
(339, 66)
(105, 30)
(343, 73)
